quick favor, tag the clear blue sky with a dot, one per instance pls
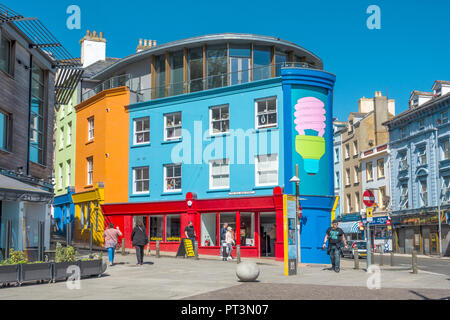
(409, 52)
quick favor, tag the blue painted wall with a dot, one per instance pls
(64, 211)
(195, 121)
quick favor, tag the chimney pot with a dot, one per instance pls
(145, 42)
(154, 43)
(101, 34)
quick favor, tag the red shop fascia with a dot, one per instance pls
(191, 209)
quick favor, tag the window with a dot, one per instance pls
(444, 117)
(349, 203)
(68, 173)
(195, 69)
(37, 123)
(266, 170)
(381, 197)
(156, 228)
(142, 130)
(61, 112)
(355, 148)
(219, 119)
(60, 176)
(421, 124)
(91, 128)
(336, 155)
(423, 193)
(230, 218)
(266, 113)
(380, 168)
(355, 171)
(5, 126)
(239, 62)
(159, 88)
(403, 162)
(350, 126)
(445, 149)
(247, 230)
(90, 171)
(347, 177)
(347, 151)
(403, 132)
(208, 231)
(216, 66)
(262, 68)
(445, 190)
(281, 57)
(172, 126)
(219, 172)
(141, 180)
(173, 228)
(338, 180)
(176, 73)
(404, 196)
(5, 54)
(172, 177)
(357, 201)
(369, 171)
(69, 133)
(61, 138)
(422, 157)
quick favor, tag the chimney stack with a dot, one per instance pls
(93, 48)
(146, 45)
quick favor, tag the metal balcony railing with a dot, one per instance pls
(114, 82)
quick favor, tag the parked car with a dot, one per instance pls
(351, 244)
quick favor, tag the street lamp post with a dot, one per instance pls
(295, 179)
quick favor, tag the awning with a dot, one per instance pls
(15, 190)
(349, 227)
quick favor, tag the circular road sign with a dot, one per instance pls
(369, 198)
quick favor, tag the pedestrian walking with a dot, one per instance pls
(139, 239)
(335, 237)
(189, 232)
(111, 237)
(230, 242)
(273, 239)
(223, 244)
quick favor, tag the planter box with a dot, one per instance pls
(36, 272)
(60, 269)
(91, 267)
(9, 273)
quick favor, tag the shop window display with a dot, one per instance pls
(156, 228)
(247, 232)
(173, 228)
(208, 229)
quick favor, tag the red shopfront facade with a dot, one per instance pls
(167, 220)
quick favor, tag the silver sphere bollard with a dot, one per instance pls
(247, 271)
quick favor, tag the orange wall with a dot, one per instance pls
(109, 148)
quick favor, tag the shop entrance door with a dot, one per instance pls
(434, 243)
(267, 245)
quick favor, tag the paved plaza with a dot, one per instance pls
(209, 278)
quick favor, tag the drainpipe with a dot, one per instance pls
(438, 186)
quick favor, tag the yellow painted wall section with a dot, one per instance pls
(109, 150)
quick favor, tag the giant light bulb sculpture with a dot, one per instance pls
(310, 125)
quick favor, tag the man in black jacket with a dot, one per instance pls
(139, 239)
(334, 236)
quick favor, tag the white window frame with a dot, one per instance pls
(347, 151)
(68, 172)
(382, 168)
(348, 180)
(90, 171)
(422, 156)
(349, 202)
(61, 138)
(258, 170)
(355, 148)
(140, 132)
(423, 196)
(175, 177)
(445, 149)
(211, 175)
(357, 207)
(404, 197)
(266, 112)
(336, 155)
(175, 126)
(338, 180)
(60, 176)
(69, 134)
(355, 171)
(371, 171)
(211, 121)
(141, 180)
(91, 123)
(445, 190)
(403, 162)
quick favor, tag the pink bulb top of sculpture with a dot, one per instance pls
(310, 114)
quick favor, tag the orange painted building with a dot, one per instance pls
(101, 162)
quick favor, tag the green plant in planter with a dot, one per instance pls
(65, 254)
(15, 257)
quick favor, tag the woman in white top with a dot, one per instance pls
(229, 241)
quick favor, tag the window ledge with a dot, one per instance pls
(140, 145)
(171, 193)
(5, 151)
(258, 130)
(218, 190)
(139, 195)
(88, 186)
(217, 135)
(172, 141)
(89, 142)
(265, 187)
